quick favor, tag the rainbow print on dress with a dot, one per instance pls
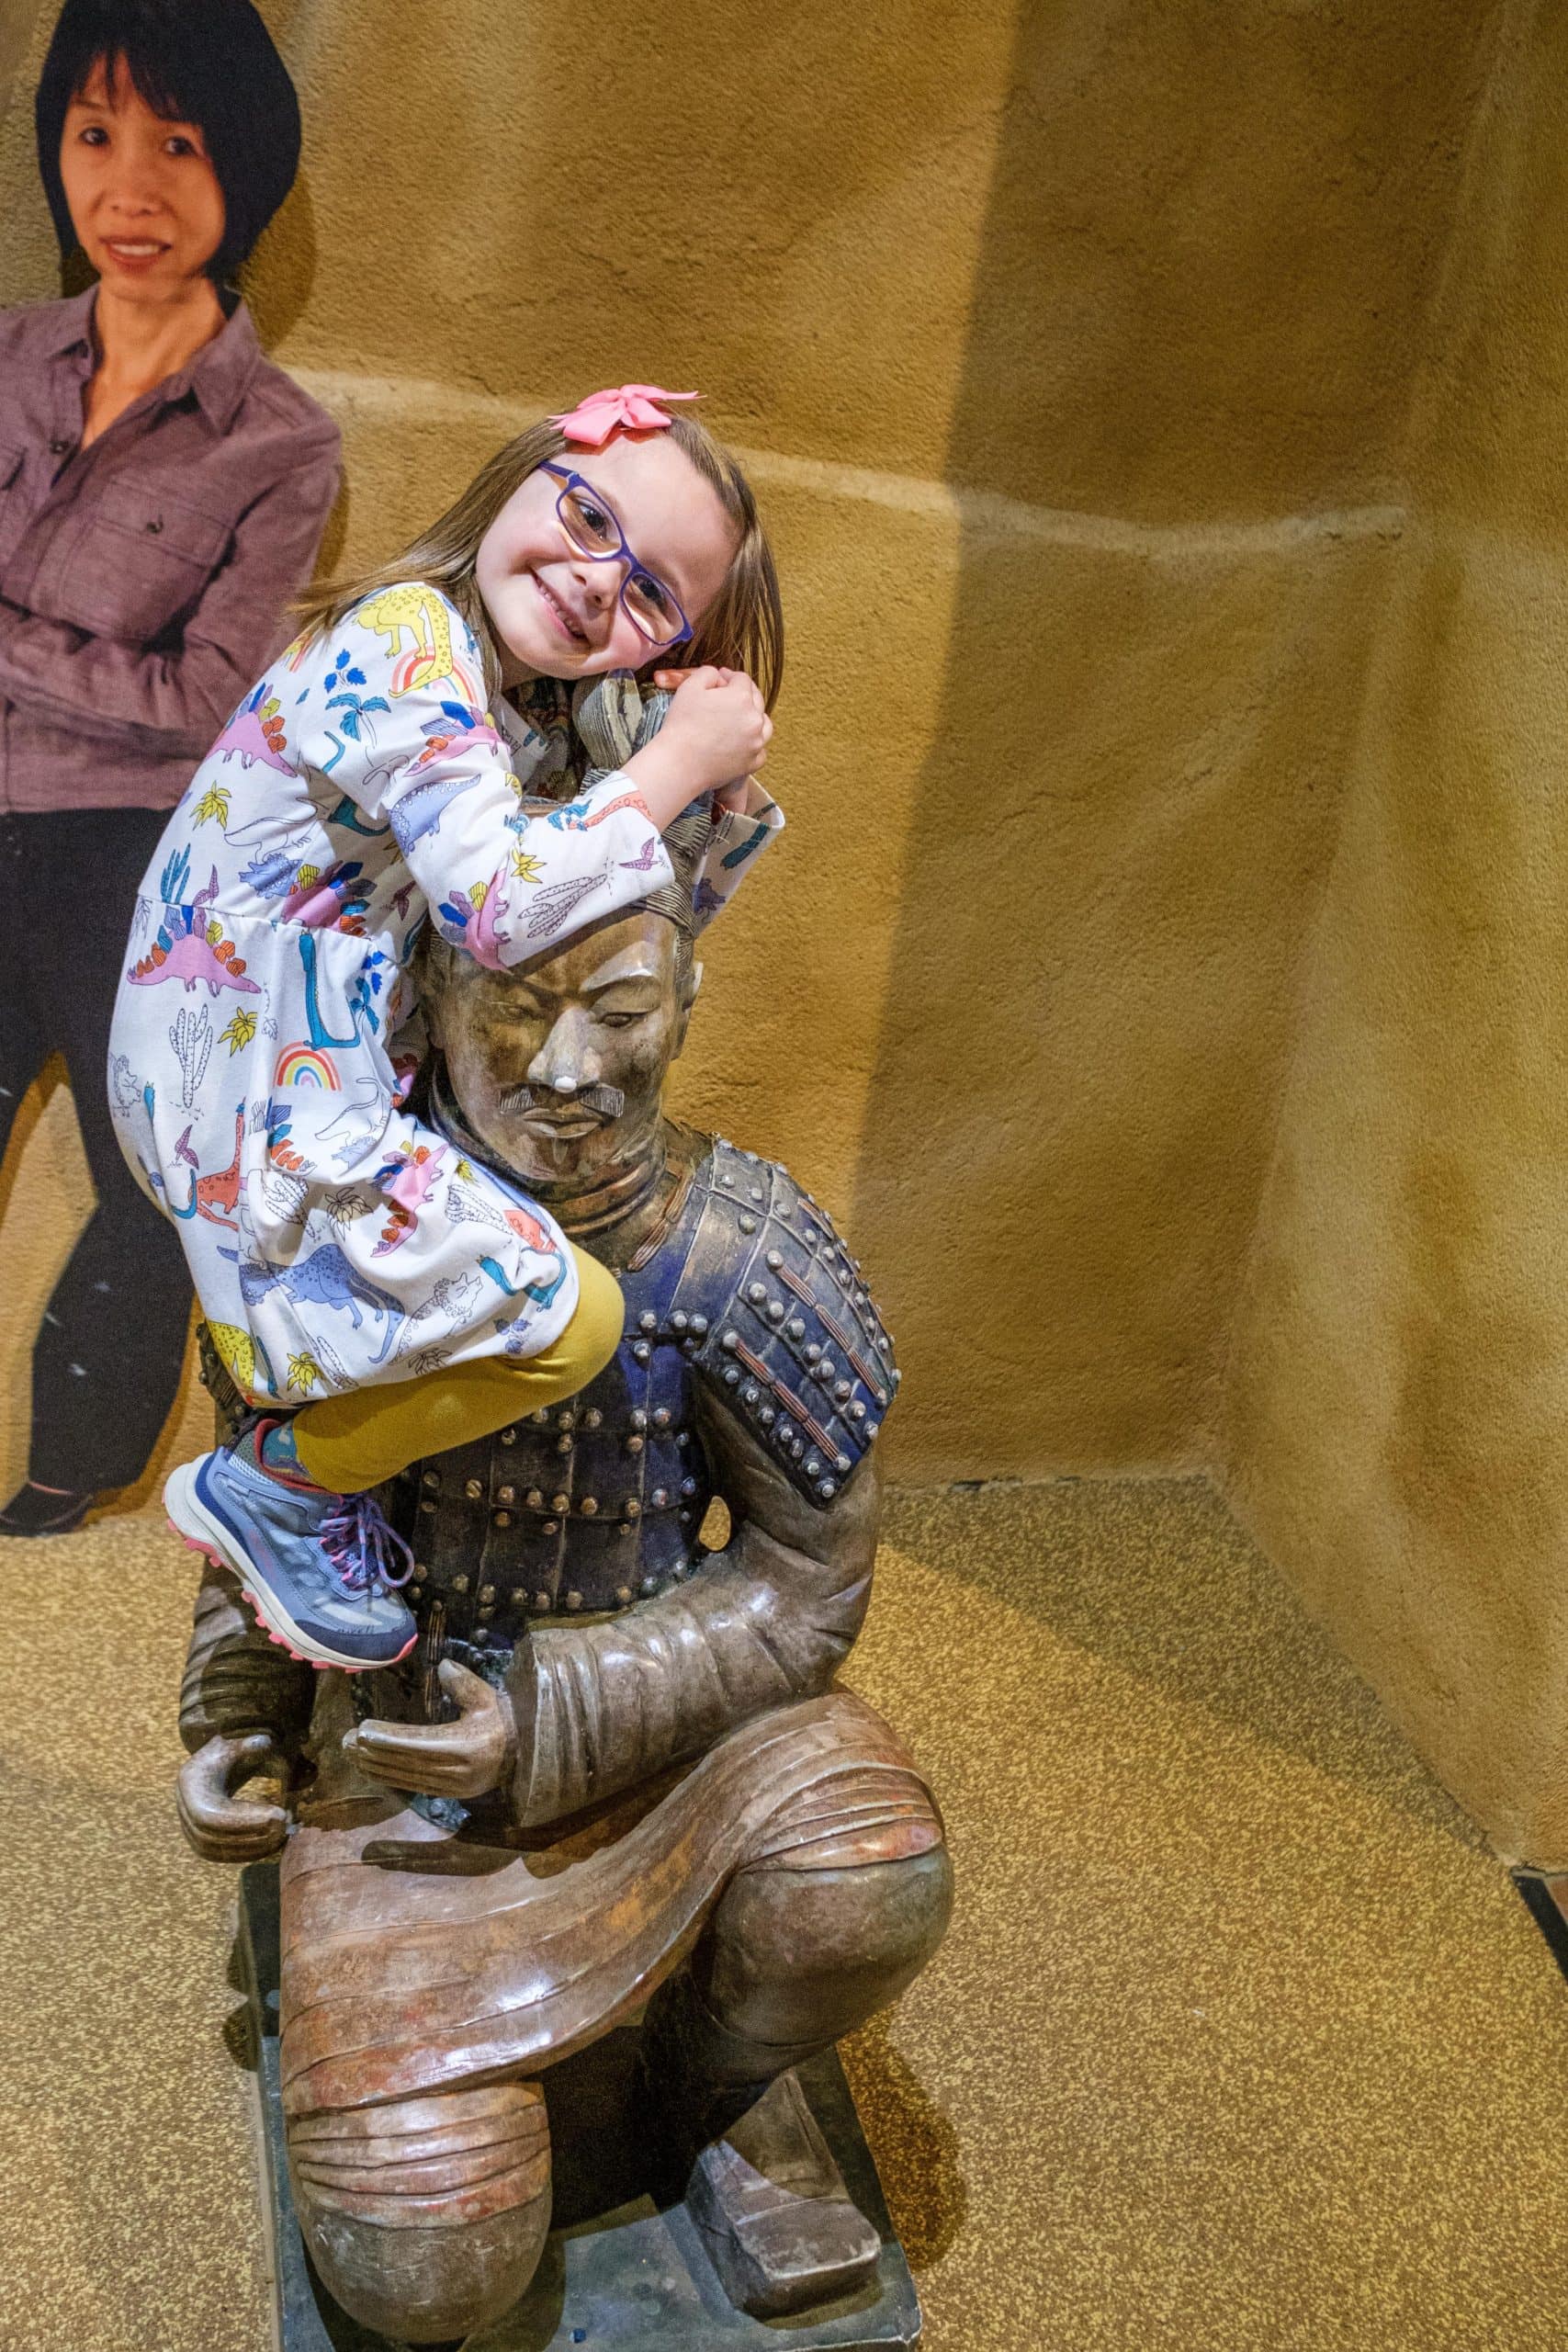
(305, 1065)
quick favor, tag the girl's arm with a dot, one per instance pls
(390, 709)
(739, 837)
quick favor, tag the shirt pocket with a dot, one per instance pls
(139, 562)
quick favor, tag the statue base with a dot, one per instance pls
(618, 2274)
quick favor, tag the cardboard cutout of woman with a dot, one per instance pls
(163, 488)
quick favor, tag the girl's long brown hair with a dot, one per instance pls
(743, 629)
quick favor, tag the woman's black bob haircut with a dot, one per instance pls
(208, 62)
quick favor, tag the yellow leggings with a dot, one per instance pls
(355, 1440)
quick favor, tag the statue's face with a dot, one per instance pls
(559, 1064)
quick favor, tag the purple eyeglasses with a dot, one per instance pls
(594, 531)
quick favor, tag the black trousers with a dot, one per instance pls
(107, 1361)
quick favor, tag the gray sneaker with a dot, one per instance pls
(317, 1569)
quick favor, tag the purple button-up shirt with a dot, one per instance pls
(143, 580)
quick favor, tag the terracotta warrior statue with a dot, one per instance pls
(616, 1772)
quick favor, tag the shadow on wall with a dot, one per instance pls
(1175, 453)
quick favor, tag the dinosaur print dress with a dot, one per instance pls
(361, 790)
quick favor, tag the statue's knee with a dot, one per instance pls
(425, 2217)
(803, 1956)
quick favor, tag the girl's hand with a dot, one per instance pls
(717, 719)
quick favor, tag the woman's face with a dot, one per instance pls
(558, 612)
(143, 195)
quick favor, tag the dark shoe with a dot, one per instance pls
(771, 2207)
(44, 1510)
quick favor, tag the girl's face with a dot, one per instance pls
(143, 195)
(557, 613)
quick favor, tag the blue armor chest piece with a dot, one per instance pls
(598, 1503)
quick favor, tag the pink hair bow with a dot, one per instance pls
(632, 409)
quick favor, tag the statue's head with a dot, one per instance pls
(559, 1064)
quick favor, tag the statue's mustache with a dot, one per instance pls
(607, 1101)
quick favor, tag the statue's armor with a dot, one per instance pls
(593, 1505)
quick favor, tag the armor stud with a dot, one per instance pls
(871, 1430)
(592, 1418)
(844, 1390)
(732, 1377)
(751, 1393)
(842, 1462)
(747, 1224)
(419, 1572)
(679, 1319)
(550, 1526)
(776, 1310)
(767, 1417)
(566, 1421)
(564, 1444)
(700, 1324)
(506, 1494)
(756, 1293)
(730, 1341)
(502, 1519)
(427, 1504)
(541, 1600)
(827, 1489)
(638, 1418)
(648, 1320)
(560, 1502)
(541, 1420)
(520, 1596)
(814, 1350)
(812, 1466)
(535, 1498)
(775, 1258)
(650, 1586)
(636, 1444)
(431, 1479)
(660, 1498)
(487, 1594)
(641, 1351)
(624, 1594)
(459, 1584)
(857, 1412)
(662, 1418)
(688, 1486)
(797, 1447)
(589, 1506)
(757, 1193)
(509, 1436)
(574, 1601)
(633, 1509)
(473, 1489)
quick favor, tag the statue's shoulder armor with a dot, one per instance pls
(789, 1340)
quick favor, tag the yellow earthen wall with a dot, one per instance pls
(1399, 1392)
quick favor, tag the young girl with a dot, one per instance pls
(341, 1251)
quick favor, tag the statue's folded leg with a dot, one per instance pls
(426, 2217)
(806, 1942)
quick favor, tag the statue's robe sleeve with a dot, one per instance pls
(765, 1623)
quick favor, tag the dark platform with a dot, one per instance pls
(617, 2273)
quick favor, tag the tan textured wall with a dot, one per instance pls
(1400, 1390)
(1074, 348)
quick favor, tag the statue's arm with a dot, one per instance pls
(767, 1621)
(244, 1710)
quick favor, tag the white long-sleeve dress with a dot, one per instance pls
(359, 790)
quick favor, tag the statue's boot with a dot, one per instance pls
(792, 1959)
(426, 2217)
(771, 2207)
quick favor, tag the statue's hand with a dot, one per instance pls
(221, 1826)
(467, 1758)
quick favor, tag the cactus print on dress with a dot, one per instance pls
(359, 790)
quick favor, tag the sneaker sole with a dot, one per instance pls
(195, 1525)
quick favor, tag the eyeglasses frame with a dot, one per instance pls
(624, 553)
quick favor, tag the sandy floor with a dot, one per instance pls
(1239, 2040)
